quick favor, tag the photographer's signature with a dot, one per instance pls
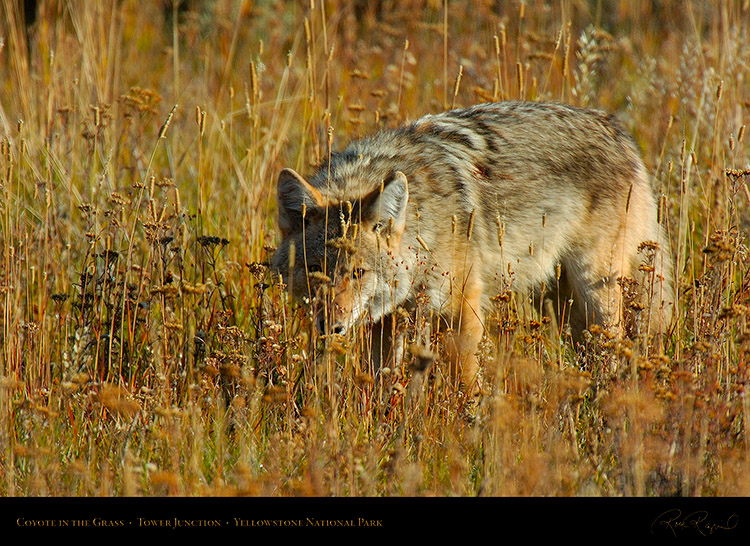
(698, 521)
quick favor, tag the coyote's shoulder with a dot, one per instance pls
(462, 203)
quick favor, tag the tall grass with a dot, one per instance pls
(146, 350)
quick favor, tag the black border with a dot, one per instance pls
(591, 518)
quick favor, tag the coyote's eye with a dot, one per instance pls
(314, 268)
(358, 272)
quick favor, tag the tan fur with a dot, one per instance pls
(461, 203)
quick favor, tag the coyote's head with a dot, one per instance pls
(343, 256)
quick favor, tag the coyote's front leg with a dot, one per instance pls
(468, 329)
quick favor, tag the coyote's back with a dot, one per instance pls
(465, 203)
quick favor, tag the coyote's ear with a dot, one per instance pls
(292, 191)
(385, 210)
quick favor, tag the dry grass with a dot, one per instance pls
(145, 350)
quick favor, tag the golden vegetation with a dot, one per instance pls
(145, 349)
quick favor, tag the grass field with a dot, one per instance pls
(146, 350)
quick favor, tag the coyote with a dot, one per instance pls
(455, 206)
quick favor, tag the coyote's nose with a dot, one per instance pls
(336, 328)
